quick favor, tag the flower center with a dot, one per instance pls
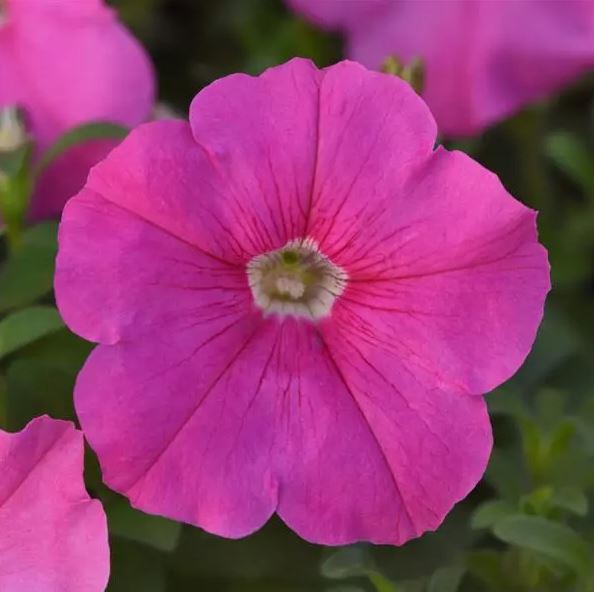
(296, 280)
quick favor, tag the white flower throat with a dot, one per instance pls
(296, 280)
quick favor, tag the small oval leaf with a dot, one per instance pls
(101, 130)
(26, 326)
(551, 539)
(491, 512)
(447, 579)
(28, 272)
(346, 563)
(155, 531)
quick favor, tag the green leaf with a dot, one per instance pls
(12, 162)
(446, 579)
(585, 431)
(491, 512)
(551, 539)
(571, 499)
(26, 326)
(538, 501)
(381, 583)
(573, 158)
(28, 273)
(80, 135)
(560, 440)
(533, 446)
(154, 531)
(346, 563)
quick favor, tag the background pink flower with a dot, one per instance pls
(67, 63)
(53, 537)
(484, 59)
(347, 405)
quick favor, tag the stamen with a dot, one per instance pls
(296, 280)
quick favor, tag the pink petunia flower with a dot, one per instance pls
(298, 302)
(66, 63)
(484, 60)
(53, 537)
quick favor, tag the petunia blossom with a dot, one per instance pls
(67, 63)
(484, 60)
(53, 537)
(297, 301)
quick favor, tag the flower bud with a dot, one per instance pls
(13, 135)
(413, 72)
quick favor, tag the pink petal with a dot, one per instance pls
(359, 458)
(261, 134)
(274, 135)
(179, 426)
(484, 60)
(271, 419)
(445, 269)
(72, 63)
(53, 537)
(332, 14)
(66, 176)
(192, 197)
(248, 176)
(143, 279)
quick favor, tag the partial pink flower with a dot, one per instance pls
(484, 60)
(53, 537)
(296, 299)
(66, 63)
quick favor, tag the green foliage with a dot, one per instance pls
(27, 274)
(26, 326)
(551, 539)
(154, 531)
(446, 579)
(79, 135)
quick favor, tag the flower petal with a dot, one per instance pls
(433, 445)
(67, 64)
(65, 177)
(446, 273)
(180, 428)
(52, 536)
(261, 415)
(277, 134)
(374, 133)
(81, 47)
(192, 197)
(262, 133)
(142, 280)
(483, 60)
(333, 14)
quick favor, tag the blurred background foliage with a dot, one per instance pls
(529, 526)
